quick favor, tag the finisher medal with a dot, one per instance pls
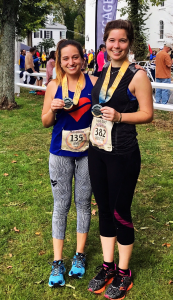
(96, 110)
(68, 103)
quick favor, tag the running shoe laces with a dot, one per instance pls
(78, 266)
(102, 279)
(58, 268)
(79, 261)
(57, 274)
(119, 287)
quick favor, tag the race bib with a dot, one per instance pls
(100, 135)
(75, 140)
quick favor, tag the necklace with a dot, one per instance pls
(114, 72)
(105, 95)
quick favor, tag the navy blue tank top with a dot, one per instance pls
(78, 117)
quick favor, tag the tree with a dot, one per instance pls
(47, 44)
(66, 12)
(137, 11)
(16, 17)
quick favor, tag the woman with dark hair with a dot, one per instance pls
(114, 157)
(100, 59)
(50, 66)
(67, 107)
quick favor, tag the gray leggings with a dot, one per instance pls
(62, 169)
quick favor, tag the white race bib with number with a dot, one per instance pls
(100, 135)
(75, 140)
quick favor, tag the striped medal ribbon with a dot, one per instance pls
(105, 97)
(68, 101)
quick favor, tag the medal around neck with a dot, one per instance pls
(96, 110)
(68, 103)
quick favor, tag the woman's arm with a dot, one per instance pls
(53, 64)
(93, 79)
(51, 105)
(140, 87)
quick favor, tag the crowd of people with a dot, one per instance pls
(94, 141)
(31, 61)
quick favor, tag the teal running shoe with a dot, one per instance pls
(56, 278)
(32, 92)
(78, 266)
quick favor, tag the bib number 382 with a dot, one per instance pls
(101, 134)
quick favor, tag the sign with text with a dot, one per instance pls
(105, 12)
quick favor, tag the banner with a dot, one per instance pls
(105, 12)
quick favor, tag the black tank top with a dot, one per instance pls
(123, 135)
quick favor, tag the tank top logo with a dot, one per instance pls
(79, 110)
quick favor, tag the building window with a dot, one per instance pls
(48, 34)
(62, 35)
(163, 3)
(36, 34)
(161, 30)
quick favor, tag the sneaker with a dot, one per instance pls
(78, 266)
(56, 277)
(32, 92)
(105, 276)
(119, 287)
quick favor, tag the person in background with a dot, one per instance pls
(43, 60)
(106, 57)
(100, 59)
(50, 66)
(22, 60)
(85, 57)
(37, 63)
(163, 73)
(93, 53)
(47, 56)
(90, 61)
(153, 55)
(29, 64)
(38, 54)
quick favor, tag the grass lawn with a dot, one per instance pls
(26, 204)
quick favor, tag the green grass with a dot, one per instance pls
(26, 203)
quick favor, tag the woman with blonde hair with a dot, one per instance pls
(67, 107)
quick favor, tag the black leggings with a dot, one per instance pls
(113, 180)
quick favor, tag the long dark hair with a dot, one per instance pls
(52, 55)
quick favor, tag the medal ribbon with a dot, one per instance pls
(103, 98)
(78, 89)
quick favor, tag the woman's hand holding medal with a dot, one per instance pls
(110, 114)
(57, 104)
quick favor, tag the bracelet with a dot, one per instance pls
(119, 121)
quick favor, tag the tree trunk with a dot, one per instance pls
(7, 53)
(69, 19)
(29, 38)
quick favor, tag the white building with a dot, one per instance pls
(159, 24)
(55, 31)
